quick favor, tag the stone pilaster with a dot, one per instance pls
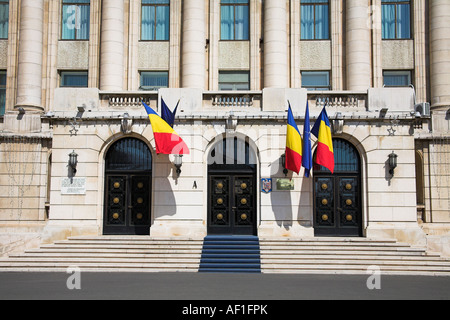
(31, 34)
(439, 53)
(275, 44)
(193, 69)
(358, 45)
(112, 46)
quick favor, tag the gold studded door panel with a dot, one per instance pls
(324, 190)
(243, 201)
(140, 201)
(220, 202)
(127, 205)
(231, 207)
(116, 201)
(337, 206)
(348, 205)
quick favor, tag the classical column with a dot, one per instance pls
(358, 45)
(275, 44)
(337, 45)
(112, 46)
(439, 52)
(193, 65)
(29, 78)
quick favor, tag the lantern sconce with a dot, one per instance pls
(283, 162)
(73, 161)
(178, 162)
(392, 162)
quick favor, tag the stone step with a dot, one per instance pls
(105, 254)
(341, 248)
(228, 254)
(348, 262)
(368, 256)
(72, 260)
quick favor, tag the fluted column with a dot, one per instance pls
(112, 46)
(275, 44)
(193, 57)
(358, 45)
(29, 78)
(440, 48)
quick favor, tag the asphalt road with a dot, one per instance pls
(205, 286)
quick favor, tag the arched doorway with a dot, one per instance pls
(337, 196)
(232, 188)
(128, 173)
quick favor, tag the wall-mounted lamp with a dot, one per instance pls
(73, 161)
(178, 162)
(283, 163)
(81, 109)
(392, 162)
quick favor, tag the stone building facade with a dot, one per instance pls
(75, 73)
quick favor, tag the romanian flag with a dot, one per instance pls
(167, 141)
(293, 145)
(322, 130)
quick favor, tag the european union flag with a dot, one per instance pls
(168, 115)
(307, 161)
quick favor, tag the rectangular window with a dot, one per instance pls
(234, 80)
(2, 92)
(74, 79)
(314, 20)
(234, 20)
(4, 19)
(154, 80)
(75, 19)
(396, 19)
(155, 20)
(400, 78)
(316, 80)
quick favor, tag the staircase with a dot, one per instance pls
(231, 254)
(348, 256)
(110, 254)
(228, 254)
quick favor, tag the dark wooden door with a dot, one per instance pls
(337, 206)
(128, 183)
(232, 204)
(338, 196)
(128, 206)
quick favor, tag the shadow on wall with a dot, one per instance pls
(281, 200)
(164, 201)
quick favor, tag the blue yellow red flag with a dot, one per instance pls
(322, 130)
(293, 144)
(167, 141)
(307, 153)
